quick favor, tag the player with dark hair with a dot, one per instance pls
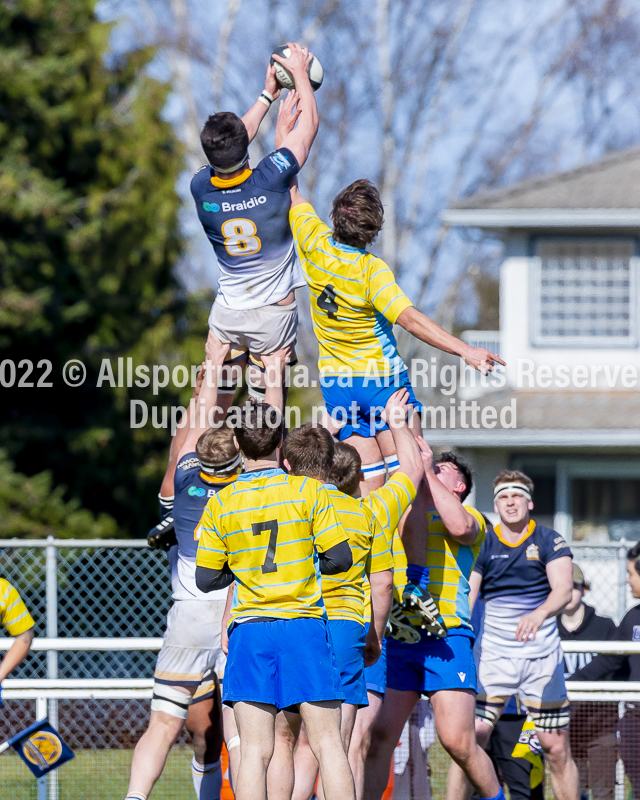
(244, 214)
(444, 536)
(524, 573)
(275, 534)
(355, 302)
(356, 635)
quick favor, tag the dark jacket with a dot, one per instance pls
(593, 628)
(612, 667)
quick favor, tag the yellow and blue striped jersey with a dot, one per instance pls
(13, 612)
(450, 565)
(389, 504)
(344, 594)
(355, 300)
(267, 525)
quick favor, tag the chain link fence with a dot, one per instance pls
(121, 589)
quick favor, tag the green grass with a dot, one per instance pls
(98, 775)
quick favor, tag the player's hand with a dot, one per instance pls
(529, 624)
(396, 410)
(271, 85)
(298, 61)
(426, 453)
(288, 113)
(216, 350)
(482, 360)
(372, 648)
(274, 365)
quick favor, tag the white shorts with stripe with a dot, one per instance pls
(191, 654)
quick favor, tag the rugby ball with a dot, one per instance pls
(285, 78)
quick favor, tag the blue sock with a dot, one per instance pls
(418, 575)
(499, 796)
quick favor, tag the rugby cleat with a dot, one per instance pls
(422, 612)
(401, 628)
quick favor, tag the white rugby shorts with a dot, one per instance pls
(262, 331)
(537, 682)
(191, 654)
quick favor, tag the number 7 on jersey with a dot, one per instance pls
(271, 526)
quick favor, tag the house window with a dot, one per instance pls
(606, 509)
(584, 293)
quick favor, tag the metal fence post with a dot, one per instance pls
(52, 655)
(41, 713)
(622, 580)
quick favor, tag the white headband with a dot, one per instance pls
(217, 469)
(235, 168)
(516, 488)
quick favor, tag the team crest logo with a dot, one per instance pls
(533, 553)
(636, 634)
(42, 749)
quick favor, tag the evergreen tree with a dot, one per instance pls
(88, 237)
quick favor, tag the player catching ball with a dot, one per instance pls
(244, 214)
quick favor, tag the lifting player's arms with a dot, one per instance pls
(244, 213)
(355, 301)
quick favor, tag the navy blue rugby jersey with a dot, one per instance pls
(246, 219)
(192, 488)
(515, 583)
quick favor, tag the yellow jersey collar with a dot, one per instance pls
(530, 528)
(225, 183)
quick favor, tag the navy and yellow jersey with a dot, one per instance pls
(388, 504)
(344, 594)
(13, 612)
(246, 219)
(192, 490)
(267, 526)
(355, 300)
(450, 565)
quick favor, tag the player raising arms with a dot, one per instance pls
(441, 533)
(244, 214)
(275, 534)
(355, 301)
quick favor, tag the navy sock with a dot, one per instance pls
(418, 575)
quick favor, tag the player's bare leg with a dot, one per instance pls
(454, 716)
(322, 721)
(372, 462)
(562, 767)
(280, 775)
(385, 733)
(361, 739)
(204, 723)
(256, 727)
(232, 740)
(306, 768)
(152, 750)
(458, 787)
(348, 718)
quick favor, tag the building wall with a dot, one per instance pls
(522, 357)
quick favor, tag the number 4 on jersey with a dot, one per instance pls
(327, 301)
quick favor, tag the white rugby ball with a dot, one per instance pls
(285, 78)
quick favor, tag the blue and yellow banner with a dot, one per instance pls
(41, 748)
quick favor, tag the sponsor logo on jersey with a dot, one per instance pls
(211, 207)
(560, 545)
(635, 637)
(196, 491)
(533, 553)
(190, 463)
(501, 555)
(244, 205)
(280, 160)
